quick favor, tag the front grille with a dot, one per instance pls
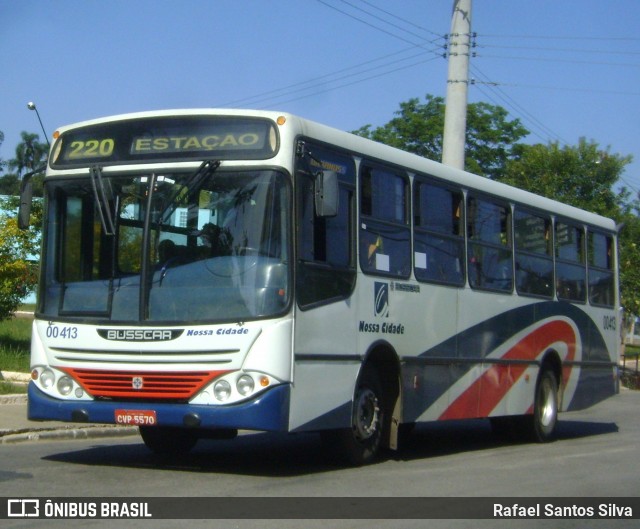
(174, 385)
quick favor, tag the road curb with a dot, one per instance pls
(89, 432)
(17, 378)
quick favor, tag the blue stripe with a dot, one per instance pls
(269, 411)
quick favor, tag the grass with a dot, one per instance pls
(632, 350)
(15, 344)
(7, 388)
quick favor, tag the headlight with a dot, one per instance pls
(47, 378)
(222, 390)
(245, 385)
(65, 385)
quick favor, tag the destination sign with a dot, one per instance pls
(175, 138)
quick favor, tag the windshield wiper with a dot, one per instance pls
(193, 184)
(102, 201)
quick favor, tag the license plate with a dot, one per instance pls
(136, 417)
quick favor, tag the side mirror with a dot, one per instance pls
(326, 193)
(26, 194)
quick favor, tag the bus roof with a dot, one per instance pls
(413, 163)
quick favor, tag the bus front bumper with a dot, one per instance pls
(269, 411)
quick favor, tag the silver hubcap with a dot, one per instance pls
(366, 411)
(548, 409)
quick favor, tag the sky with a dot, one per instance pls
(567, 69)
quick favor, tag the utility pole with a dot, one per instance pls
(455, 115)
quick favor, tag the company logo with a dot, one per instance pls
(381, 300)
(137, 382)
(28, 508)
(140, 335)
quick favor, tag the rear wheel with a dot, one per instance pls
(540, 425)
(360, 444)
(545, 413)
(168, 440)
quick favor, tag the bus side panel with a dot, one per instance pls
(326, 366)
(597, 378)
(499, 351)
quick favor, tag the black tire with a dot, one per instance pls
(168, 440)
(360, 444)
(541, 425)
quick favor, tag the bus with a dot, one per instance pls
(209, 271)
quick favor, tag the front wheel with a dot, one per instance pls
(168, 440)
(360, 444)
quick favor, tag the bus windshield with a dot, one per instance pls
(214, 251)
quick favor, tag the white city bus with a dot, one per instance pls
(205, 271)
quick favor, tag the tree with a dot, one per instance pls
(18, 254)
(583, 175)
(629, 248)
(2, 162)
(19, 249)
(418, 128)
(30, 154)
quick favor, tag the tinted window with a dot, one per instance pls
(490, 256)
(534, 263)
(438, 236)
(384, 228)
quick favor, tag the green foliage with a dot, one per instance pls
(418, 128)
(582, 175)
(629, 247)
(18, 248)
(15, 344)
(30, 154)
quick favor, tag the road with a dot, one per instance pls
(596, 454)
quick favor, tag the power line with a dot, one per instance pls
(572, 50)
(520, 110)
(344, 85)
(386, 21)
(335, 77)
(388, 13)
(567, 88)
(558, 37)
(378, 28)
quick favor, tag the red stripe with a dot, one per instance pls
(490, 388)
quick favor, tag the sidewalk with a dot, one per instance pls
(15, 427)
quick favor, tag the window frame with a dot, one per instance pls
(547, 256)
(420, 231)
(381, 225)
(563, 262)
(507, 247)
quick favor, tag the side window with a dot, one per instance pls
(570, 262)
(534, 260)
(438, 238)
(384, 224)
(601, 282)
(489, 251)
(326, 263)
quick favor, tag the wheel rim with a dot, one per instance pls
(548, 409)
(365, 414)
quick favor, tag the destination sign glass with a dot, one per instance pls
(175, 138)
